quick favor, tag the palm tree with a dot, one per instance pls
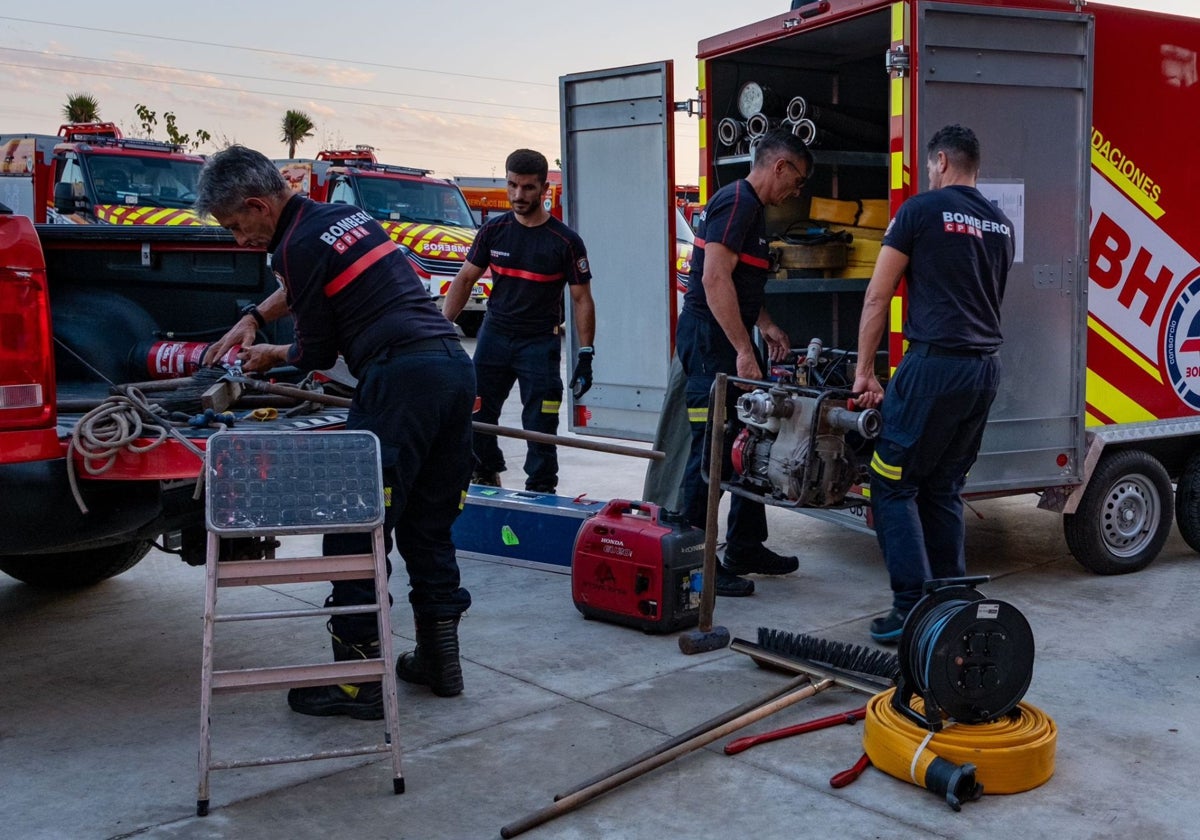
(81, 108)
(296, 126)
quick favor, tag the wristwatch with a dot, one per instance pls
(251, 309)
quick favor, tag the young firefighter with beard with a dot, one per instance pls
(351, 291)
(532, 256)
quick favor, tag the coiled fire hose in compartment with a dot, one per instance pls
(1011, 754)
(115, 426)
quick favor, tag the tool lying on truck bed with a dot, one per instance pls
(119, 422)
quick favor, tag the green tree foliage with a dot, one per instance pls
(296, 126)
(81, 108)
(149, 121)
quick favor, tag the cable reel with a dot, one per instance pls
(969, 658)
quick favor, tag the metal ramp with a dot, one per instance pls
(276, 484)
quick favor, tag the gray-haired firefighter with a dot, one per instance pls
(351, 291)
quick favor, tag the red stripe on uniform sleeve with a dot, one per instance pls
(357, 267)
(754, 262)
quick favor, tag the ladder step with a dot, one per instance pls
(298, 676)
(351, 610)
(295, 570)
(371, 749)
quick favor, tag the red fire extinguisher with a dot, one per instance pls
(172, 359)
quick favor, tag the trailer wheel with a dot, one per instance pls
(1187, 503)
(1124, 517)
(72, 569)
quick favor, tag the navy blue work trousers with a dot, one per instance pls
(934, 412)
(704, 351)
(532, 362)
(418, 400)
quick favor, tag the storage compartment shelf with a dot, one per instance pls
(823, 157)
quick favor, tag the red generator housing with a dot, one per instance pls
(637, 565)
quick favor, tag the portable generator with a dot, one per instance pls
(638, 565)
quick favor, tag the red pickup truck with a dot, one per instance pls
(85, 310)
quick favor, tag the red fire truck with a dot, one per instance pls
(90, 174)
(427, 217)
(1099, 408)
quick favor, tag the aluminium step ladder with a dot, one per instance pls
(267, 484)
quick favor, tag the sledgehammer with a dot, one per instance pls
(706, 637)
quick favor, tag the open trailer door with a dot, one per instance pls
(1022, 80)
(618, 194)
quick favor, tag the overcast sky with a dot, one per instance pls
(442, 84)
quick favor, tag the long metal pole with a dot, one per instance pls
(573, 801)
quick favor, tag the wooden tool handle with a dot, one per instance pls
(573, 801)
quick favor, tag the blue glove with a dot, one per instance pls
(581, 379)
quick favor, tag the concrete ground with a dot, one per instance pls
(99, 704)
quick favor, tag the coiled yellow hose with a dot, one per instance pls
(1012, 754)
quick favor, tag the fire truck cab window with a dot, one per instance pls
(375, 201)
(342, 193)
(112, 181)
(72, 174)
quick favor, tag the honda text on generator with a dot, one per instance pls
(427, 217)
(1098, 412)
(90, 174)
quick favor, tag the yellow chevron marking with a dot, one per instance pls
(157, 218)
(1127, 351)
(1112, 402)
(1090, 419)
(897, 170)
(897, 22)
(414, 233)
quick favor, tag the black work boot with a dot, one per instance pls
(361, 701)
(435, 661)
(486, 478)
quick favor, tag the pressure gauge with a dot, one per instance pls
(752, 99)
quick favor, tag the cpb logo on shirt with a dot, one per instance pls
(582, 265)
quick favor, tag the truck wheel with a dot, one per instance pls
(1187, 503)
(470, 323)
(1124, 517)
(71, 569)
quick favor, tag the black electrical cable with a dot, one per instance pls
(926, 635)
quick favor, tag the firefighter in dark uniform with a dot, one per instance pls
(956, 248)
(532, 256)
(350, 290)
(724, 303)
